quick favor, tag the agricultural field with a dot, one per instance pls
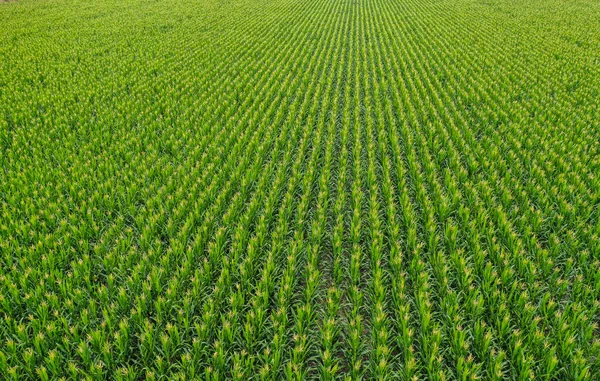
(289, 190)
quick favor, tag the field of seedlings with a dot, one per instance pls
(289, 190)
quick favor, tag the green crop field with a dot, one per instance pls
(299, 189)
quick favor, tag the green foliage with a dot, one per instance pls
(282, 189)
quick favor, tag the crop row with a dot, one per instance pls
(299, 190)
